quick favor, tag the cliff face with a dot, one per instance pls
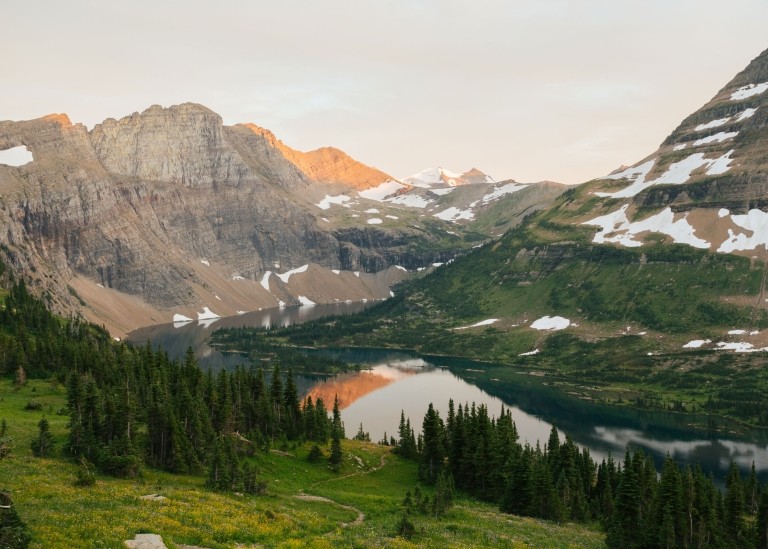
(173, 207)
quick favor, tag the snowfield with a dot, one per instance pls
(325, 203)
(530, 353)
(551, 323)
(748, 113)
(677, 173)
(680, 231)
(16, 156)
(497, 193)
(696, 343)
(714, 124)
(181, 318)
(382, 191)
(265, 280)
(454, 214)
(306, 301)
(207, 314)
(754, 222)
(716, 138)
(486, 322)
(745, 92)
(287, 275)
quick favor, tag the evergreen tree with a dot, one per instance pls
(444, 494)
(433, 448)
(734, 506)
(42, 446)
(13, 532)
(761, 524)
(623, 528)
(336, 435)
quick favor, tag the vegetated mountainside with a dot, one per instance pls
(651, 282)
(169, 212)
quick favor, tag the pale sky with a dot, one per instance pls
(524, 89)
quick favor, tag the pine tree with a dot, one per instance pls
(734, 506)
(761, 524)
(13, 532)
(336, 434)
(623, 528)
(42, 446)
(433, 450)
(444, 494)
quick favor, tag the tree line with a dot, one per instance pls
(637, 507)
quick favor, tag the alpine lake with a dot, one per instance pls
(391, 381)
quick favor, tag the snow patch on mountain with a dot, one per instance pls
(443, 192)
(207, 314)
(382, 191)
(716, 138)
(677, 174)
(551, 323)
(410, 201)
(530, 353)
(375, 221)
(721, 165)
(748, 91)
(434, 176)
(486, 322)
(16, 156)
(680, 231)
(754, 222)
(306, 301)
(454, 214)
(265, 280)
(696, 343)
(498, 192)
(325, 203)
(287, 275)
(748, 113)
(714, 124)
(181, 318)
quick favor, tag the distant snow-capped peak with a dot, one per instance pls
(438, 177)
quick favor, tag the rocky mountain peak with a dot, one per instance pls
(326, 164)
(438, 177)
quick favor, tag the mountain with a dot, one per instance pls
(645, 288)
(169, 213)
(706, 184)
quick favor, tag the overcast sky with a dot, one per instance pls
(564, 90)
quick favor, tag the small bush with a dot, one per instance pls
(315, 454)
(405, 527)
(85, 475)
(33, 406)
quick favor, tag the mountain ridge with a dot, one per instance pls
(175, 208)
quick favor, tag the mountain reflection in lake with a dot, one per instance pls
(400, 381)
(177, 337)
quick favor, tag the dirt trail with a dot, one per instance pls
(360, 515)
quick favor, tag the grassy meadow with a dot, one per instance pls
(372, 481)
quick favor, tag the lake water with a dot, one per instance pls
(396, 380)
